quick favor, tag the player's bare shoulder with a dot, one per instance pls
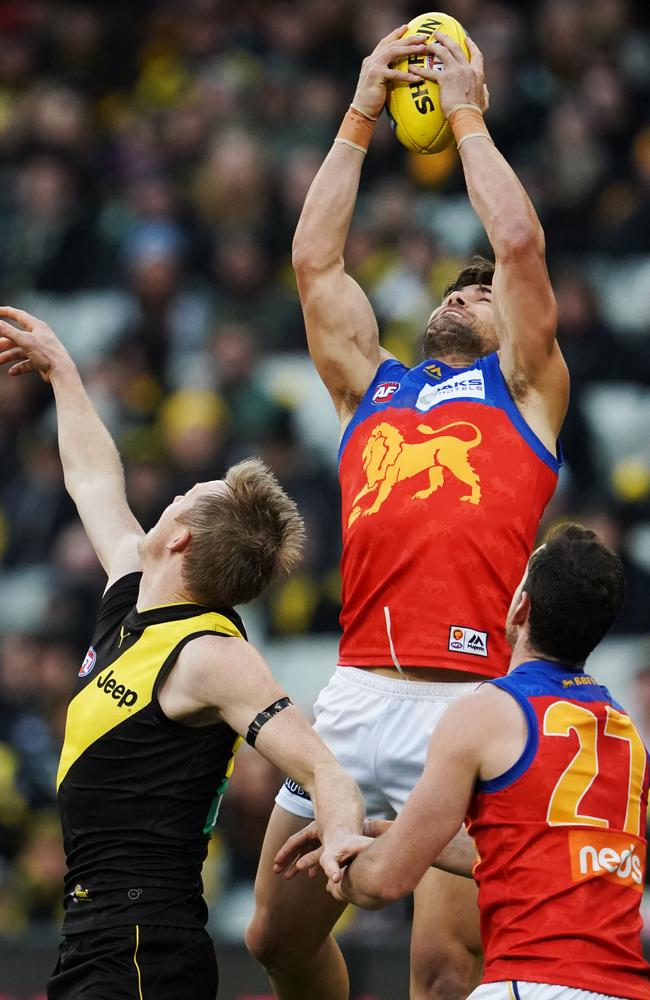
(489, 726)
(212, 662)
(504, 730)
(542, 400)
(485, 711)
(205, 670)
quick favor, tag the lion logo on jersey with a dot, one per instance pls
(388, 459)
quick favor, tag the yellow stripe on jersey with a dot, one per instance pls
(231, 763)
(126, 685)
(511, 992)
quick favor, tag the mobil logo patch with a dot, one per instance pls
(385, 391)
(90, 659)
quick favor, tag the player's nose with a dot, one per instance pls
(456, 299)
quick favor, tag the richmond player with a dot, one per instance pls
(167, 690)
(553, 777)
(445, 471)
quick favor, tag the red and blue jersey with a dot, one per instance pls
(443, 486)
(561, 841)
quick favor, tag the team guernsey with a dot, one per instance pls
(443, 486)
(139, 793)
(561, 841)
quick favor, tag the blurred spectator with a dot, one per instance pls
(35, 504)
(171, 314)
(641, 701)
(236, 377)
(613, 527)
(195, 427)
(33, 888)
(49, 239)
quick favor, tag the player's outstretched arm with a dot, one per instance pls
(91, 464)
(228, 679)
(341, 327)
(302, 851)
(522, 294)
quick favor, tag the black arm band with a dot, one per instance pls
(263, 717)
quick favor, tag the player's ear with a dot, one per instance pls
(180, 539)
(521, 612)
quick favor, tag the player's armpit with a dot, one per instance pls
(342, 333)
(530, 357)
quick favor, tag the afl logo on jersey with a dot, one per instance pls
(89, 662)
(385, 391)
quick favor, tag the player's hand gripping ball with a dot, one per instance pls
(414, 108)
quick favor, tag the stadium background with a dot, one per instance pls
(154, 158)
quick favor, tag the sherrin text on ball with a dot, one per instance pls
(414, 108)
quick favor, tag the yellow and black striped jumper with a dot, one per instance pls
(138, 795)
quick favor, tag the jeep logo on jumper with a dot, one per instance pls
(124, 696)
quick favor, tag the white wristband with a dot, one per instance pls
(475, 135)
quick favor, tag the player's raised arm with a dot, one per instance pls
(91, 464)
(522, 295)
(341, 327)
(228, 679)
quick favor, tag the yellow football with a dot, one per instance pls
(414, 108)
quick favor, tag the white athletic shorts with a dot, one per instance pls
(378, 728)
(518, 990)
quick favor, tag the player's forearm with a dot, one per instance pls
(289, 742)
(325, 219)
(459, 856)
(368, 883)
(88, 452)
(499, 200)
(337, 801)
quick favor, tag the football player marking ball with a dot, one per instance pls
(414, 108)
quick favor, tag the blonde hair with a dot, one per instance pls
(241, 539)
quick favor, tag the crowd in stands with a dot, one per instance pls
(154, 158)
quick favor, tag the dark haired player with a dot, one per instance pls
(167, 690)
(445, 471)
(553, 777)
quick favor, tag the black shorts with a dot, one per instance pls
(135, 963)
